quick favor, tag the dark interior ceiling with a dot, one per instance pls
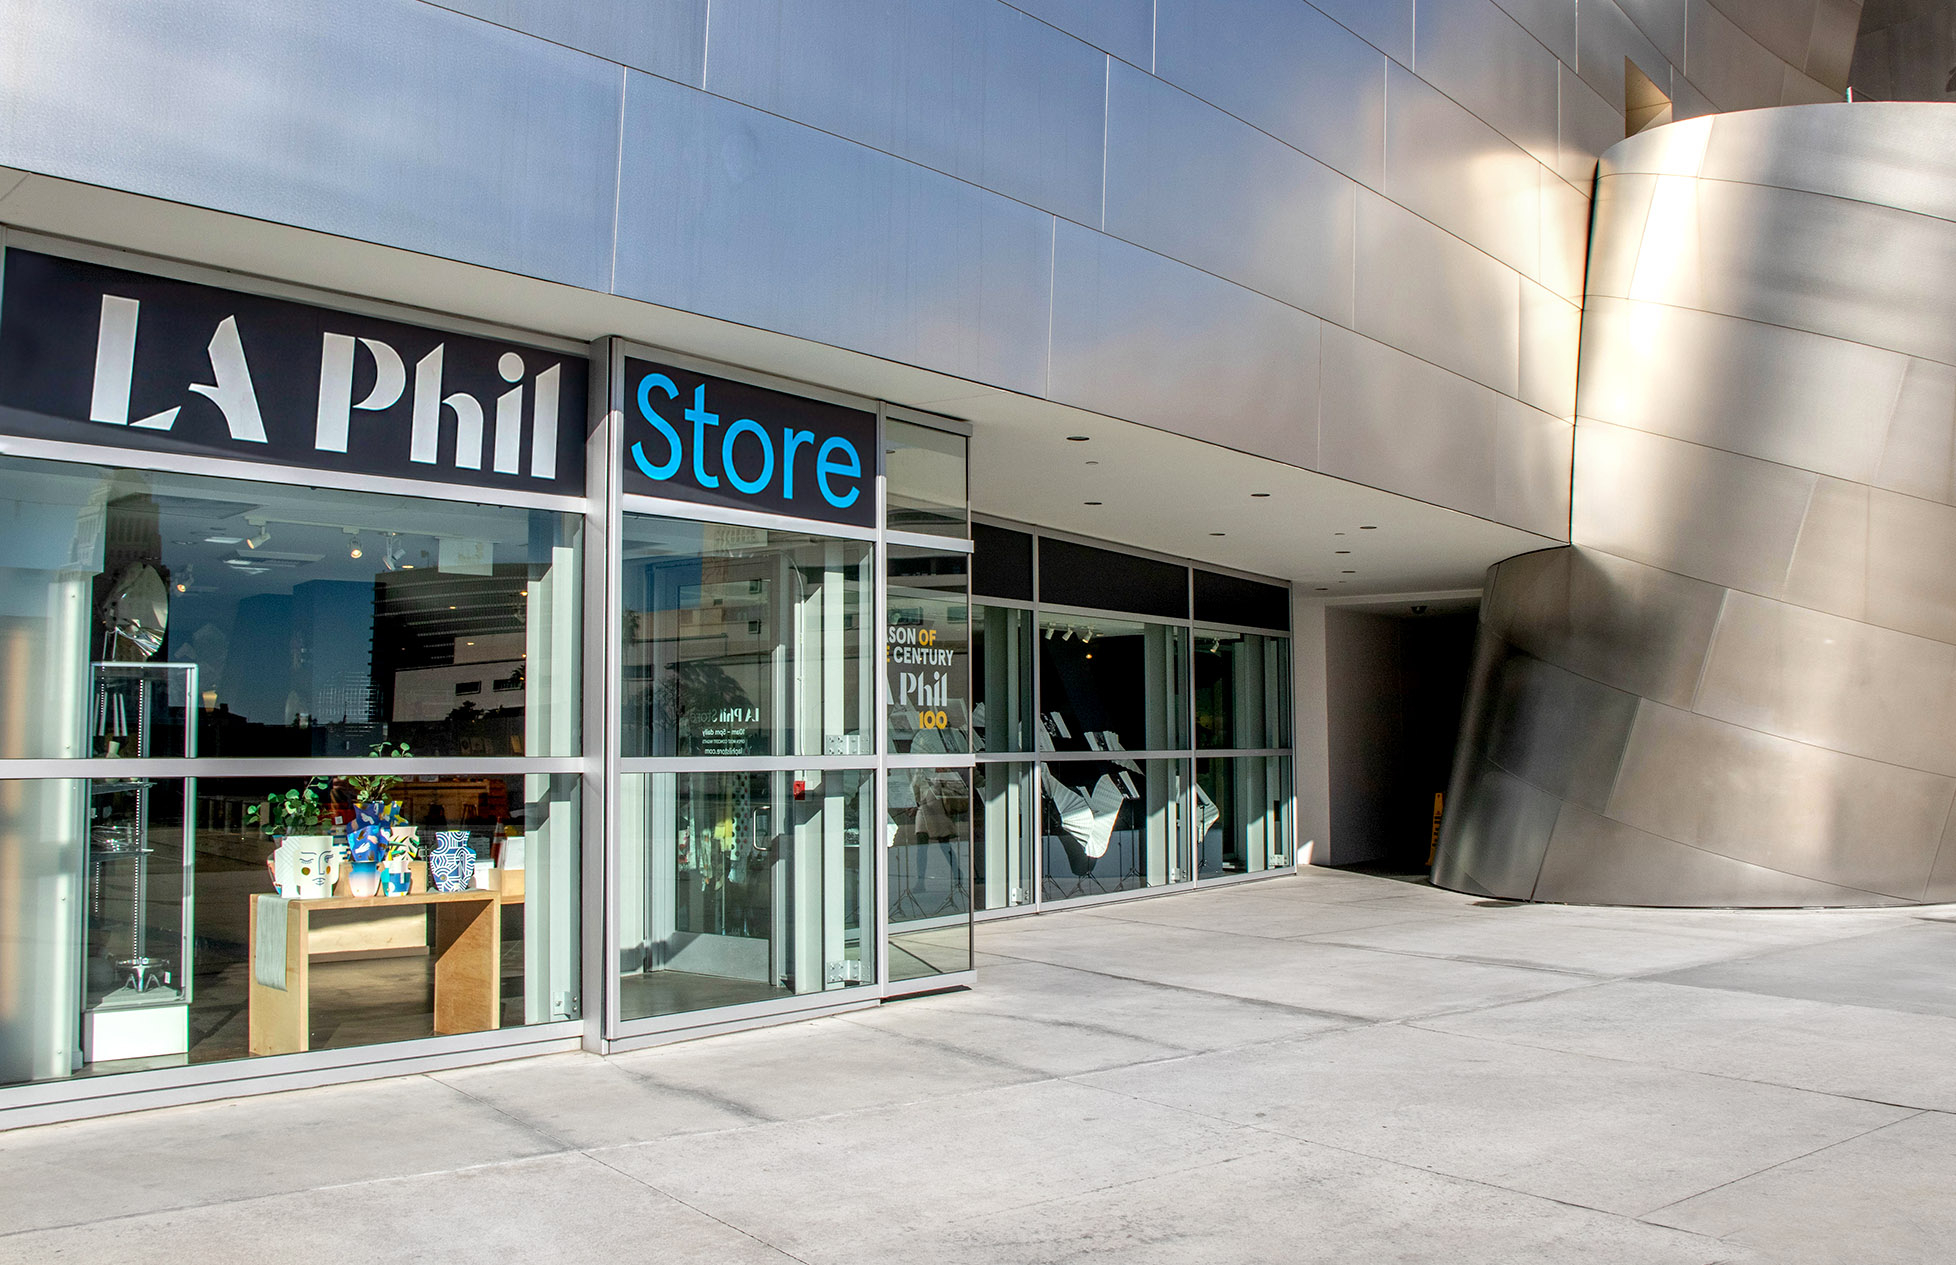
(1906, 51)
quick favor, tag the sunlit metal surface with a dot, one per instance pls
(1738, 687)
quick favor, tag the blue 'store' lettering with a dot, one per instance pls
(836, 459)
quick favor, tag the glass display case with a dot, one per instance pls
(140, 857)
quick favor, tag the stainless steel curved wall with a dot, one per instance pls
(1739, 687)
(1345, 235)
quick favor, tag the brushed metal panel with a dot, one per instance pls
(1900, 154)
(1911, 582)
(1124, 28)
(448, 136)
(1868, 273)
(1557, 731)
(1592, 860)
(1833, 682)
(1941, 887)
(1492, 842)
(1784, 395)
(1630, 626)
(1830, 47)
(1918, 455)
(1565, 237)
(1785, 805)
(1781, 27)
(1553, 22)
(1605, 35)
(1482, 58)
(1386, 25)
(1127, 324)
(666, 39)
(1662, 20)
(979, 91)
(1829, 571)
(1586, 126)
(822, 238)
(1396, 422)
(1676, 149)
(1428, 293)
(1533, 452)
(1727, 64)
(1550, 329)
(1285, 68)
(1687, 102)
(1282, 225)
(1449, 167)
(1798, 89)
(1712, 515)
(1622, 207)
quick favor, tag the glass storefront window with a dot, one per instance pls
(926, 473)
(740, 887)
(1242, 690)
(291, 621)
(744, 642)
(1001, 680)
(929, 837)
(1242, 815)
(929, 651)
(1002, 813)
(1112, 684)
(155, 930)
(1112, 826)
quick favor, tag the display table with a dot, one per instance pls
(467, 948)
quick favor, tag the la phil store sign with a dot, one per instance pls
(98, 355)
(104, 356)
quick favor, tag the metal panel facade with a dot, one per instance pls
(1764, 438)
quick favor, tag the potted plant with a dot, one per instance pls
(303, 863)
(380, 835)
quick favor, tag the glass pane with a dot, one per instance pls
(1243, 815)
(1242, 690)
(318, 623)
(1002, 819)
(929, 829)
(1112, 685)
(740, 887)
(457, 913)
(927, 485)
(1001, 680)
(1113, 825)
(929, 651)
(740, 641)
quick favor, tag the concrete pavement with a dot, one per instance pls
(1329, 1068)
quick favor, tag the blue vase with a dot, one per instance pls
(451, 866)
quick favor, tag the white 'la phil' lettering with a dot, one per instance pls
(237, 400)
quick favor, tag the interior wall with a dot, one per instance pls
(1394, 688)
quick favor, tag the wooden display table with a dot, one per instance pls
(468, 965)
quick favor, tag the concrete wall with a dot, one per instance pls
(1346, 236)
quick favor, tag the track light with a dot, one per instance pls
(354, 550)
(391, 556)
(257, 538)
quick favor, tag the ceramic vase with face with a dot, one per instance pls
(304, 867)
(451, 866)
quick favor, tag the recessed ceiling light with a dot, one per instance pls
(1078, 439)
(451, 608)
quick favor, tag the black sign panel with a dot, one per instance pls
(711, 441)
(99, 355)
